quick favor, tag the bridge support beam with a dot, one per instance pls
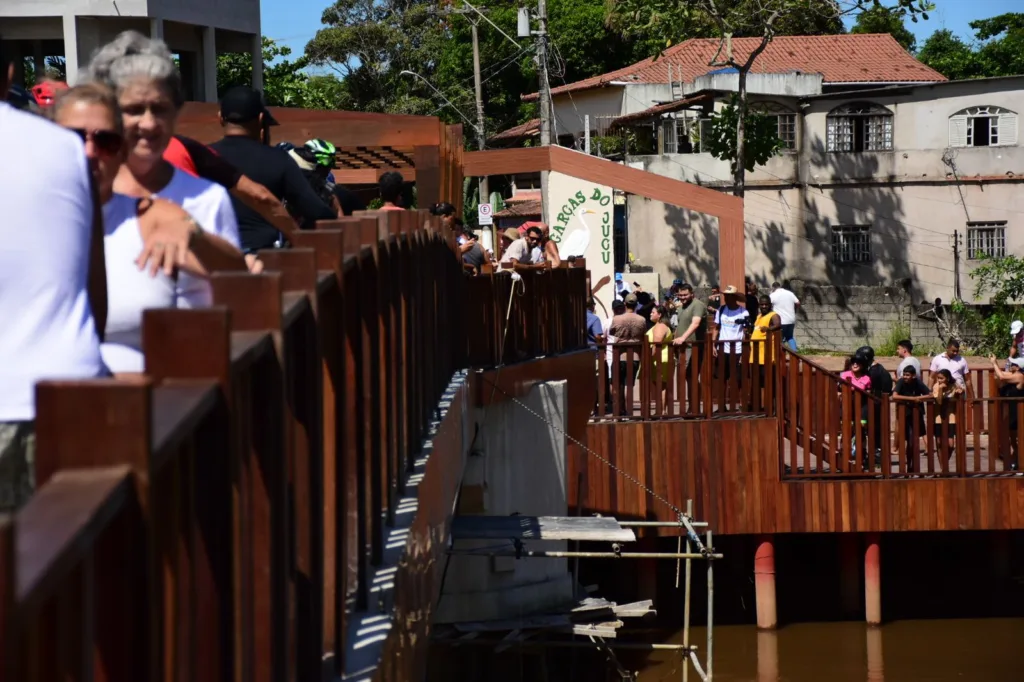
(873, 580)
(764, 583)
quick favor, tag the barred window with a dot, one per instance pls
(851, 244)
(986, 240)
(859, 127)
(785, 120)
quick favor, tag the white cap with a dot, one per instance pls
(1018, 361)
(1015, 327)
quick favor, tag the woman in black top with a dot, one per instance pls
(1011, 386)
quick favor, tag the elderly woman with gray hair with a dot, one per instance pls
(156, 218)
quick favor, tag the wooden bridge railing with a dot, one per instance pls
(230, 515)
(644, 381)
(831, 430)
(511, 320)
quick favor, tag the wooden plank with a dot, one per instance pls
(582, 528)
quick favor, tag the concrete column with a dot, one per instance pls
(71, 48)
(873, 580)
(767, 656)
(257, 62)
(764, 583)
(209, 64)
(849, 575)
(156, 29)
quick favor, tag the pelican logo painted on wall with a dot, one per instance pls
(596, 202)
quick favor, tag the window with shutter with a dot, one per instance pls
(958, 131)
(983, 127)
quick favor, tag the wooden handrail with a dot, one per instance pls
(264, 456)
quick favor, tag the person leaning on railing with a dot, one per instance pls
(1012, 387)
(767, 321)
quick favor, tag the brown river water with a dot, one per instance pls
(968, 650)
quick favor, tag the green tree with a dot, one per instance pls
(998, 49)
(666, 20)
(886, 20)
(950, 56)
(285, 83)
(1001, 279)
(762, 137)
(371, 42)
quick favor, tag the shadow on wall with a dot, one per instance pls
(877, 206)
(694, 244)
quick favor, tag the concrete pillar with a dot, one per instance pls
(257, 62)
(767, 656)
(876, 663)
(764, 583)
(209, 64)
(873, 580)
(849, 575)
(156, 29)
(71, 48)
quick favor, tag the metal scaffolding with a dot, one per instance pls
(520, 530)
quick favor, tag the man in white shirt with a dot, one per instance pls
(622, 289)
(52, 280)
(785, 303)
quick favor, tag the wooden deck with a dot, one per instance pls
(732, 470)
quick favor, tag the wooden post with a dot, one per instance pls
(873, 580)
(764, 583)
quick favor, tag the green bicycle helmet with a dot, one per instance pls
(323, 150)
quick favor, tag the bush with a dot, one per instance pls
(886, 346)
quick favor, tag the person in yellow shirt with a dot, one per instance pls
(767, 320)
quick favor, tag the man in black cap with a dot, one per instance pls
(246, 123)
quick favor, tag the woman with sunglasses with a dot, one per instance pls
(150, 245)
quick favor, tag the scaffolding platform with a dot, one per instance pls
(523, 528)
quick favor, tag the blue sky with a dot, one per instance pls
(294, 22)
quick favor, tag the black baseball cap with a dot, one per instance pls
(242, 104)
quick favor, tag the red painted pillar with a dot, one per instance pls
(873, 580)
(764, 583)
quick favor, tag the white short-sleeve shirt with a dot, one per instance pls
(130, 291)
(731, 323)
(46, 215)
(784, 302)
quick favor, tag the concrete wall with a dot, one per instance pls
(517, 466)
(845, 318)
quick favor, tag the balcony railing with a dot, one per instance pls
(640, 380)
(232, 514)
(831, 430)
(537, 313)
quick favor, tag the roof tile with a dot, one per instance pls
(852, 58)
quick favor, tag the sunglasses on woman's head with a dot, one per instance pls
(107, 141)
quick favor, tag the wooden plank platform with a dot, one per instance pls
(582, 528)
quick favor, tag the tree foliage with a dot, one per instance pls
(285, 83)
(998, 49)
(889, 20)
(762, 137)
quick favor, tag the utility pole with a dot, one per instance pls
(481, 138)
(956, 266)
(545, 95)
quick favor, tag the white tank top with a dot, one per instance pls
(130, 290)
(46, 324)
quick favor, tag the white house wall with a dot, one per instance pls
(908, 197)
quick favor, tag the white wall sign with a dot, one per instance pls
(484, 215)
(581, 216)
